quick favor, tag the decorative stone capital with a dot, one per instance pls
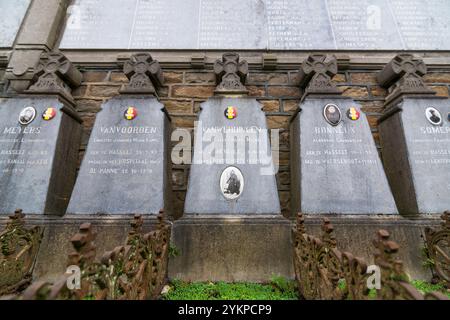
(55, 74)
(316, 73)
(145, 75)
(403, 75)
(231, 74)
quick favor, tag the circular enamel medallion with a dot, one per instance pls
(131, 113)
(353, 114)
(231, 113)
(49, 114)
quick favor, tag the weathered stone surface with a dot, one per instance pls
(125, 169)
(37, 161)
(13, 13)
(260, 24)
(416, 154)
(336, 169)
(259, 195)
(250, 249)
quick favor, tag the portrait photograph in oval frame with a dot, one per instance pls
(232, 183)
(332, 114)
(433, 116)
(27, 115)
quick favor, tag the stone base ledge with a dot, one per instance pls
(52, 258)
(232, 249)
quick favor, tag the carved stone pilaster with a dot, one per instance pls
(55, 74)
(231, 74)
(403, 75)
(39, 33)
(316, 73)
(145, 75)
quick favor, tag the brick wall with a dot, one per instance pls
(278, 92)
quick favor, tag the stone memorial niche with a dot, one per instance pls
(126, 166)
(40, 134)
(232, 171)
(415, 138)
(232, 229)
(335, 166)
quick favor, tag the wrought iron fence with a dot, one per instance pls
(135, 271)
(324, 272)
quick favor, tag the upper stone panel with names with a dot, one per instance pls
(12, 14)
(170, 27)
(232, 24)
(364, 25)
(423, 24)
(290, 28)
(258, 24)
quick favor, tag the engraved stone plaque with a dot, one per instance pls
(416, 151)
(229, 175)
(299, 25)
(423, 25)
(12, 13)
(258, 24)
(336, 169)
(125, 167)
(364, 25)
(37, 158)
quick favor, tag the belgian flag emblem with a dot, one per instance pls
(353, 114)
(131, 113)
(49, 114)
(231, 113)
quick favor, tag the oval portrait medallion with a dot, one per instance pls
(27, 115)
(332, 114)
(433, 116)
(232, 183)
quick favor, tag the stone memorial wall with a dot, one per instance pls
(258, 24)
(10, 23)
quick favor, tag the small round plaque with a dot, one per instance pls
(433, 116)
(353, 114)
(332, 114)
(231, 113)
(232, 183)
(49, 114)
(131, 113)
(27, 115)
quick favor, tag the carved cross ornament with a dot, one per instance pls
(145, 74)
(316, 73)
(55, 74)
(404, 74)
(231, 74)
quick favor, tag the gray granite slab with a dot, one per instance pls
(336, 169)
(12, 13)
(259, 193)
(124, 170)
(37, 161)
(417, 156)
(258, 24)
(364, 25)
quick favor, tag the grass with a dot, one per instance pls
(426, 287)
(277, 289)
